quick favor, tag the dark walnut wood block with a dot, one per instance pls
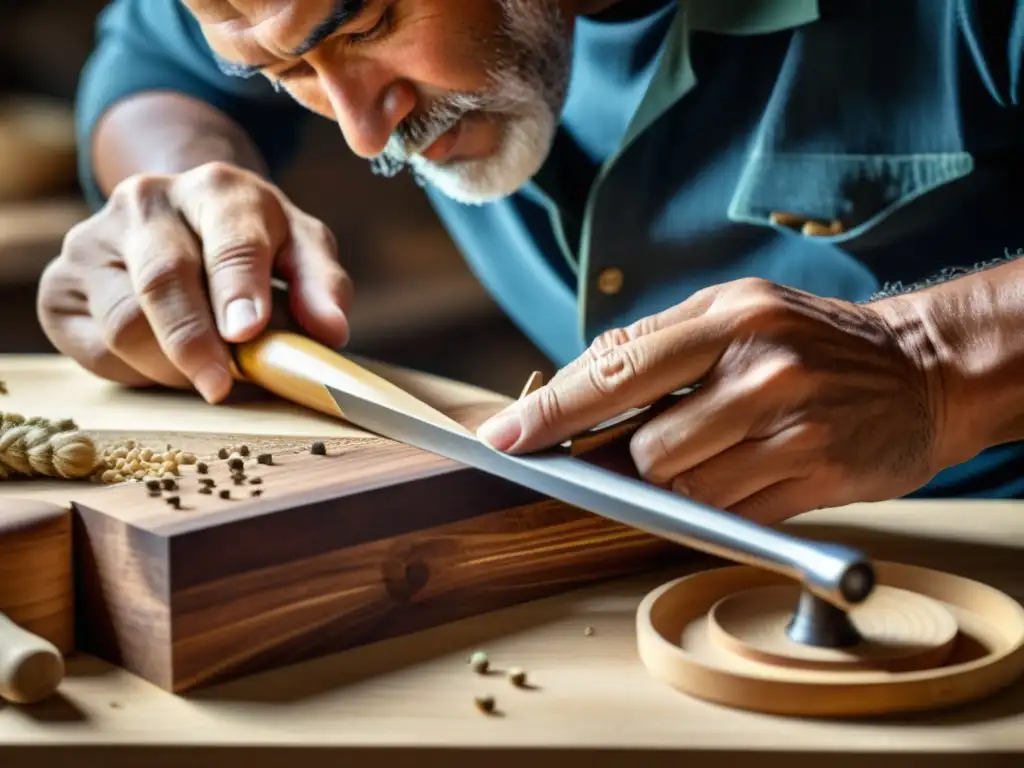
(373, 540)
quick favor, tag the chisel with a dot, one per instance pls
(305, 372)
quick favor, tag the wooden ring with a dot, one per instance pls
(679, 643)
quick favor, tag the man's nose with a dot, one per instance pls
(368, 102)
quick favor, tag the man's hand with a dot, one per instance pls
(801, 402)
(151, 288)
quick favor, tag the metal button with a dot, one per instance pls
(790, 220)
(609, 282)
(814, 229)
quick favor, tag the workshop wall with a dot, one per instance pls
(417, 303)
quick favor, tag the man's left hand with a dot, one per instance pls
(801, 402)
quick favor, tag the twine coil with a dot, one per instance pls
(38, 447)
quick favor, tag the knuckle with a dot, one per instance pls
(610, 339)
(643, 327)
(758, 314)
(75, 238)
(706, 295)
(82, 242)
(752, 285)
(181, 333)
(611, 370)
(547, 407)
(53, 292)
(315, 231)
(783, 372)
(217, 174)
(649, 449)
(122, 322)
(237, 254)
(161, 273)
(695, 485)
(141, 196)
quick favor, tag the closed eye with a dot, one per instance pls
(381, 28)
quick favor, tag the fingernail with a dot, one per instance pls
(501, 432)
(239, 317)
(213, 382)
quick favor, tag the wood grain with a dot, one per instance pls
(36, 589)
(409, 700)
(373, 540)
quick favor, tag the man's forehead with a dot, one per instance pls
(294, 26)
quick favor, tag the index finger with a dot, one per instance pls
(693, 307)
(633, 374)
(165, 266)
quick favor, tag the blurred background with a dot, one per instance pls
(417, 303)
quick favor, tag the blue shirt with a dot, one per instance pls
(686, 128)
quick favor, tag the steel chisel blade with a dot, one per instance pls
(617, 497)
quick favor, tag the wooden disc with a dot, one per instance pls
(901, 630)
(690, 634)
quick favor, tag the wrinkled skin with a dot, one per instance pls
(153, 287)
(801, 402)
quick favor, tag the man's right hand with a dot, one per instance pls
(153, 287)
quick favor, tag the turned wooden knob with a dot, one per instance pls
(31, 668)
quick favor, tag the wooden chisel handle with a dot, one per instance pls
(304, 371)
(31, 668)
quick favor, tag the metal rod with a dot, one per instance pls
(837, 574)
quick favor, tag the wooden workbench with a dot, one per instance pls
(410, 701)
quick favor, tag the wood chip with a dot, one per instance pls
(517, 677)
(480, 662)
(484, 703)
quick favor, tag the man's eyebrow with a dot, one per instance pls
(342, 13)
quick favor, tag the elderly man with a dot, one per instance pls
(801, 211)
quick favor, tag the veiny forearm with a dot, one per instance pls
(975, 325)
(162, 132)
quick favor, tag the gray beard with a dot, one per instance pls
(536, 66)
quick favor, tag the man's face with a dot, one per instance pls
(466, 93)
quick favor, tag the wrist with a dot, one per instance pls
(167, 134)
(968, 334)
